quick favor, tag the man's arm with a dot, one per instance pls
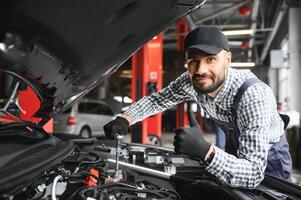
(176, 92)
(257, 119)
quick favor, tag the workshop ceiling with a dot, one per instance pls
(257, 16)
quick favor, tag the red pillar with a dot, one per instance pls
(146, 79)
(181, 115)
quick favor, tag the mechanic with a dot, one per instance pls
(243, 106)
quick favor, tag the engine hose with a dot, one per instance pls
(53, 188)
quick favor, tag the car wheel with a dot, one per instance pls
(85, 132)
(154, 140)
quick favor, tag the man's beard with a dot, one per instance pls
(207, 89)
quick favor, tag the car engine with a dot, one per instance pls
(89, 172)
(92, 171)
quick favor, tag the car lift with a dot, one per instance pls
(182, 114)
(147, 79)
(30, 104)
(181, 110)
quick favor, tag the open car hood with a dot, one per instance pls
(63, 49)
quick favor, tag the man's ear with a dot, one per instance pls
(229, 58)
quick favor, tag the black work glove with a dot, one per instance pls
(189, 141)
(119, 126)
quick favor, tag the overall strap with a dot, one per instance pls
(242, 89)
(232, 135)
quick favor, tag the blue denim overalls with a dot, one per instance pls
(279, 159)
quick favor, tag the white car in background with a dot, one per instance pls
(85, 118)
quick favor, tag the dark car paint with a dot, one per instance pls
(65, 48)
(25, 156)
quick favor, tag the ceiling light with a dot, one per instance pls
(235, 43)
(242, 64)
(118, 98)
(244, 10)
(126, 99)
(239, 32)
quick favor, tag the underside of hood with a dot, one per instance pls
(63, 49)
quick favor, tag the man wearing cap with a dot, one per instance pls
(243, 106)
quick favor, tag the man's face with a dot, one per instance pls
(206, 71)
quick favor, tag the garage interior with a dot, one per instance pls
(269, 30)
(266, 30)
(264, 38)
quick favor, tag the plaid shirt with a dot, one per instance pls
(257, 119)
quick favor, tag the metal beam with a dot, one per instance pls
(189, 19)
(254, 15)
(221, 2)
(222, 11)
(190, 22)
(233, 26)
(272, 34)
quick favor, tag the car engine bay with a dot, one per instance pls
(88, 172)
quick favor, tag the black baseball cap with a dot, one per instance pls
(206, 38)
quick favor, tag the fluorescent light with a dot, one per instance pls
(242, 64)
(126, 99)
(118, 98)
(235, 43)
(3, 47)
(194, 107)
(239, 32)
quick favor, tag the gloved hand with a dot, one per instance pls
(189, 141)
(118, 126)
